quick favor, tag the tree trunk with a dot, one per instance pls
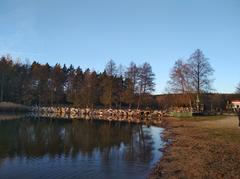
(1, 98)
(139, 101)
(2, 83)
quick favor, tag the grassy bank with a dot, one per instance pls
(201, 147)
(8, 107)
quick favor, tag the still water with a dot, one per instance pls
(58, 148)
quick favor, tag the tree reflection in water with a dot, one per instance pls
(106, 149)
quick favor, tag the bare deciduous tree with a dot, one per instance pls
(131, 75)
(180, 78)
(120, 70)
(111, 68)
(200, 72)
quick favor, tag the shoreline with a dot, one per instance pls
(205, 148)
(167, 138)
(9, 107)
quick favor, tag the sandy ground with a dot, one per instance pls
(202, 149)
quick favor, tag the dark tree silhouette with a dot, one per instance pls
(6, 75)
(106, 90)
(70, 84)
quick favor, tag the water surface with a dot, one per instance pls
(58, 148)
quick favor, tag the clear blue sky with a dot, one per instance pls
(90, 32)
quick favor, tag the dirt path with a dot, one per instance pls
(203, 149)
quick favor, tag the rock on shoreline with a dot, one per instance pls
(130, 115)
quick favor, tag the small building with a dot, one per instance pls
(235, 104)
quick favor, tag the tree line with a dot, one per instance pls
(116, 86)
(42, 84)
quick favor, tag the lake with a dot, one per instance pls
(33, 147)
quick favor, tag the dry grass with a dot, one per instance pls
(204, 149)
(228, 135)
(201, 118)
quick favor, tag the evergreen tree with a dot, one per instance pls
(106, 90)
(57, 83)
(6, 64)
(107, 97)
(89, 89)
(145, 81)
(42, 84)
(70, 84)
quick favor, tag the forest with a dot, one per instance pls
(45, 85)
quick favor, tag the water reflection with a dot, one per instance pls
(111, 146)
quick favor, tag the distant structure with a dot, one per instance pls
(235, 104)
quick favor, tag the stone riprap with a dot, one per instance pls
(101, 114)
